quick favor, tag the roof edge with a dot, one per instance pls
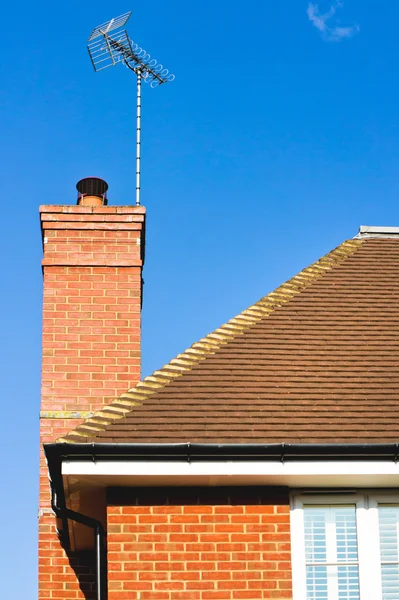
(208, 345)
(374, 231)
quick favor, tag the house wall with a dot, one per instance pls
(199, 544)
(92, 268)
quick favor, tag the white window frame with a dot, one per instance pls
(366, 504)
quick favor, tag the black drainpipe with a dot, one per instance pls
(62, 512)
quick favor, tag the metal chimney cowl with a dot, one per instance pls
(92, 191)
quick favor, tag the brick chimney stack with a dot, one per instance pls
(92, 268)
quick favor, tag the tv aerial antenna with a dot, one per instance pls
(108, 45)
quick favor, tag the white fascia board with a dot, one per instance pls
(377, 231)
(305, 473)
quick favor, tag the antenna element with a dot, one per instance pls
(109, 45)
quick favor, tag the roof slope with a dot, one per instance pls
(315, 361)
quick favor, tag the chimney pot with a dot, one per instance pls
(92, 191)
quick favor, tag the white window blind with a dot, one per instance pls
(332, 570)
(388, 519)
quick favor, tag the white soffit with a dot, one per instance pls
(292, 474)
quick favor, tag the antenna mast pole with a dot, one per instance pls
(109, 45)
(138, 137)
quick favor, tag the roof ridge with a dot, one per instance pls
(209, 344)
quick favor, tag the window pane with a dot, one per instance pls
(341, 520)
(331, 553)
(389, 523)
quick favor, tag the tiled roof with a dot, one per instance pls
(316, 361)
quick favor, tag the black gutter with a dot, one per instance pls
(208, 452)
(54, 461)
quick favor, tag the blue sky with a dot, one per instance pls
(278, 138)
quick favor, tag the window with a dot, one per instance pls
(345, 547)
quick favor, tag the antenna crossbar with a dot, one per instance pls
(137, 59)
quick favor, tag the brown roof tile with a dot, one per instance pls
(315, 361)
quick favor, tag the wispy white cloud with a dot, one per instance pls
(328, 24)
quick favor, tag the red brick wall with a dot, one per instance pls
(91, 347)
(62, 575)
(211, 548)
